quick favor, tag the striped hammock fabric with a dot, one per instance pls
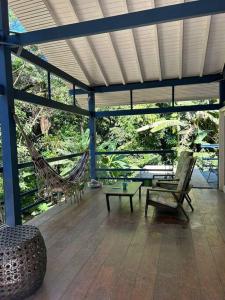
(49, 181)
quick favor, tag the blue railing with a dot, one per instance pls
(128, 170)
(33, 191)
(71, 156)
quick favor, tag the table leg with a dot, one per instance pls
(107, 202)
(131, 204)
(140, 193)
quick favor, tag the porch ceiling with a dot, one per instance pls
(192, 47)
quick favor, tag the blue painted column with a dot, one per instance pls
(222, 92)
(92, 128)
(8, 127)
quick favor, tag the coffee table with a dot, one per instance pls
(117, 190)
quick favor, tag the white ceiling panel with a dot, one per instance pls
(193, 47)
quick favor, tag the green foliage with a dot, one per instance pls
(40, 209)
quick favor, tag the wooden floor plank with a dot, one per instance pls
(99, 256)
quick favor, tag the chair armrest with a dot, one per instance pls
(171, 181)
(165, 191)
(163, 175)
(168, 182)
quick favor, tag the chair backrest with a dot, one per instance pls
(185, 177)
(192, 165)
(181, 160)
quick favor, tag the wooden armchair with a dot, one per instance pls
(172, 198)
(172, 177)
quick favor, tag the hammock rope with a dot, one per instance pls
(49, 181)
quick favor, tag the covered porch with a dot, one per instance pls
(93, 254)
(196, 74)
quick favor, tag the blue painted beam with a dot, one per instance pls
(161, 110)
(222, 92)
(34, 59)
(131, 99)
(134, 170)
(92, 128)
(2, 90)
(8, 127)
(36, 203)
(28, 193)
(121, 22)
(52, 159)
(153, 84)
(134, 152)
(30, 98)
(125, 178)
(223, 72)
(173, 95)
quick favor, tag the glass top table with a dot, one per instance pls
(117, 190)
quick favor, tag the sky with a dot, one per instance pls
(14, 23)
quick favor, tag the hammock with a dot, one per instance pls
(49, 181)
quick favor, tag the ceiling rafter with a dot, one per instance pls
(91, 47)
(139, 68)
(205, 44)
(181, 41)
(71, 47)
(157, 46)
(181, 37)
(115, 51)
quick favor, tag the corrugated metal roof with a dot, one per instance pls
(192, 47)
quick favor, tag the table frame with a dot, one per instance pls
(122, 193)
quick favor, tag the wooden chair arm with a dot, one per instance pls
(163, 175)
(165, 191)
(170, 181)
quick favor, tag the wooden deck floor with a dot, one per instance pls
(93, 255)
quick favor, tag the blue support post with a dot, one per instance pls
(222, 92)
(131, 99)
(92, 128)
(8, 127)
(74, 95)
(49, 86)
(173, 95)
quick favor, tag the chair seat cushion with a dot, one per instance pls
(163, 198)
(166, 184)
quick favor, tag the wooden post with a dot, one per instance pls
(8, 127)
(92, 128)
